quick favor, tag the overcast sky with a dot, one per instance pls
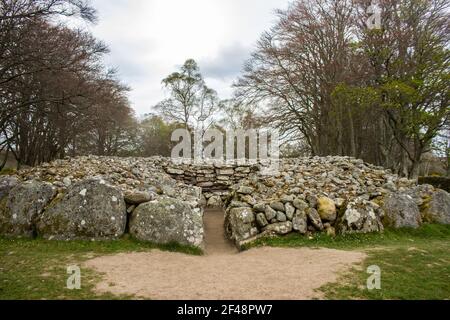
(149, 39)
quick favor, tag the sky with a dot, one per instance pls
(150, 39)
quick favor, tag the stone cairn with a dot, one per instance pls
(157, 200)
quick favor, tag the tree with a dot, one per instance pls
(191, 102)
(321, 75)
(155, 137)
(56, 98)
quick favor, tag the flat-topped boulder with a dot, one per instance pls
(90, 210)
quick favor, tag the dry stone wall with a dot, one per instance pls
(157, 200)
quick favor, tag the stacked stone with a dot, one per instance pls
(210, 178)
(158, 200)
(333, 195)
(101, 198)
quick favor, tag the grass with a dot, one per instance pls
(37, 269)
(415, 264)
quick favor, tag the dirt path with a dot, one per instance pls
(263, 273)
(215, 240)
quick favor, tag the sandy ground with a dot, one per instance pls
(257, 274)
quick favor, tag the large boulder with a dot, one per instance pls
(90, 210)
(437, 208)
(401, 211)
(421, 193)
(167, 220)
(23, 207)
(240, 224)
(361, 216)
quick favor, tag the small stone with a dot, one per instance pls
(225, 172)
(278, 206)
(259, 207)
(287, 198)
(137, 197)
(270, 213)
(339, 202)
(238, 204)
(215, 202)
(261, 220)
(67, 182)
(175, 171)
(331, 232)
(249, 199)
(314, 217)
(300, 222)
(281, 228)
(312, 200)
(290, 210)
(245, 190)
(281, 217)
(300, 204)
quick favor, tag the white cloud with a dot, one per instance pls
(149, 39)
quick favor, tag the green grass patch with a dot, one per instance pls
(414, 263)
(420, 272)
(391, 237)
(37, 269)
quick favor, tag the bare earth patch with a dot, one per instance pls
(263, 273)
(223, 273)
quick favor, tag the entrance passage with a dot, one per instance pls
(215, 239)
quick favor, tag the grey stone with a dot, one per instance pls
(137, 197)
(215, 202)
(278, 206)
(245, 190)
(314, 218)
(238, 204)
(239, 224)
(339, 202)
(91, 209)
(300, 222)
(261, 220)
(437, 208)
(281, 216)
(166, 220)
(287, 198)
(67, 182)
(361, 216)
(175, 171)
(281, 228)
(300, 204)
(260, 207)
(23, 207)
(401, 211)
(249, 199)
(290, 210)
(270, 213)
(312, 200)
